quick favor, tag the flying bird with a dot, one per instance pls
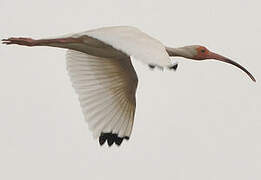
(101, 71)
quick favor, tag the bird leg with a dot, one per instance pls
(60, 42)
(83, 44)
(19, 41)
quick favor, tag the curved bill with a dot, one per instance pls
(212, 55)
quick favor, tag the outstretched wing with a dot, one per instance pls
(106, 89)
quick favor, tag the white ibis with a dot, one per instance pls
(99, 64)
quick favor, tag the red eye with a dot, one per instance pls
(203, 50)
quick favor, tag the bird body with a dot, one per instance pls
(100, 68)
(131, 41)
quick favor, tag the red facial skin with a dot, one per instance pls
(203, 53)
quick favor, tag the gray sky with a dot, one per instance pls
(202, 122)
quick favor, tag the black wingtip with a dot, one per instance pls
(174, 67)
(151, 66)
(102, 140)
(111, 139)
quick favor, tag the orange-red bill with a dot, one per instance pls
(212, 55)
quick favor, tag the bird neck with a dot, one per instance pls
(181, 52)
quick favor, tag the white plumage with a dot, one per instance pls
(106, 89)
(99, 64)
(132, 42)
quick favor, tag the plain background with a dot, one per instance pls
(202, 122)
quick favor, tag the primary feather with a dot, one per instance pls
(101, 71)
(106, 89)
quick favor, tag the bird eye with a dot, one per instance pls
(203, 50)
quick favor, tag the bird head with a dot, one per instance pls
(199, 53)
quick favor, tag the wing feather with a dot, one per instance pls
(106, 89)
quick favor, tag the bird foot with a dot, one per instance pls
(19, 41)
